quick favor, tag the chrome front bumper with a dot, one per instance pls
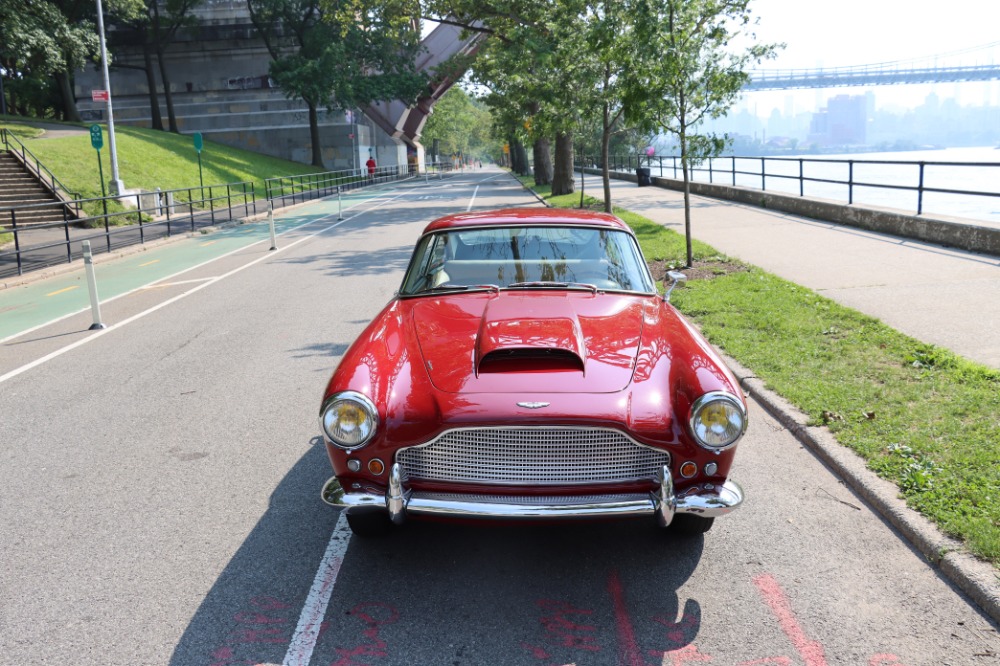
(399, 502)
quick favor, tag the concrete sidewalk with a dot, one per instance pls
(946, 297)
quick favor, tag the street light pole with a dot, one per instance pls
(117, 186)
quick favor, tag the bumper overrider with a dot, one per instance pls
(398, 501)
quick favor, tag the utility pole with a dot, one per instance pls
(117, 186)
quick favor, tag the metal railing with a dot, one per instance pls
(775, 173)
(48, 180)
(114, 222)
(290, 190)
(124, 220)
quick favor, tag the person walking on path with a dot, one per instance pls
(371, 167)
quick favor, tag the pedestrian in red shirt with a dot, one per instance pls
(371, 166)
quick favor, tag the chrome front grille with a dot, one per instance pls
(532, 456)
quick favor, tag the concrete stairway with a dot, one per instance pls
(21, 190)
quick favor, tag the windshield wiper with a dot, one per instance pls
(461, 287)
(545, 284)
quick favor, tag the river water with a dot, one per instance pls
(982, 174)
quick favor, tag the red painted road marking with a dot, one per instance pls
(688, 654)
(628, 649)
(810, 651)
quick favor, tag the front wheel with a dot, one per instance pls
(369, 524)
(690, 525)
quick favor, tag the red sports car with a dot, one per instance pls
(528, 370)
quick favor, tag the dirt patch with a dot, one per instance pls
(701, 270)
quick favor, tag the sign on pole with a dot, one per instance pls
(199, 143)
(96, 137)
(99, 95)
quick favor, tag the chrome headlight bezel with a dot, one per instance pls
(358, 400)
(727, 400)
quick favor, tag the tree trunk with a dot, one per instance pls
(605, 150)
(164, 77)
(542, 152)
(519, 158)
(167, 95)
(687, 197)
(522, 158)
(562, 175)
(317, 147)
(154, 99)
(70, 112)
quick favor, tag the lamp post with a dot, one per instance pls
(117, 186)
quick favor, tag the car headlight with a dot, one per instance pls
(718, 419)
(349, 419)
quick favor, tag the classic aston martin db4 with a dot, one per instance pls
(528, 370)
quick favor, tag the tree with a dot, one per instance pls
(698, 73)
(162, 28)
(458, 126)
(342, 54)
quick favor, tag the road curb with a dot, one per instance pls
(978, 579)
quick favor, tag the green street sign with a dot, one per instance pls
(198, 142)
(96, 137)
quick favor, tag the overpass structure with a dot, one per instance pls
(221, 88)
(867, 75)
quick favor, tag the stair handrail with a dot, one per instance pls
(61, 191)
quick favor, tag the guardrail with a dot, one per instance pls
(770, 173)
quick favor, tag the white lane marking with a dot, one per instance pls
(161, 285)
(180, 272)
(473, 199)
(306, 634)
(125, 322)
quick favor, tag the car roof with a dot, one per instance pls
(527, 217)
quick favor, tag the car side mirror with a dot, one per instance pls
(674, 277)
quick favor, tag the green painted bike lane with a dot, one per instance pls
(27, 307)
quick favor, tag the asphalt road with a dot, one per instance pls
(159, 504)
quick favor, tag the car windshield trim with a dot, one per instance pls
(554, 257)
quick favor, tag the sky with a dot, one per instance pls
(858, 32)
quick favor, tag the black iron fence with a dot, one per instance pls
(289, 190)
(879, 182)
(114, 222)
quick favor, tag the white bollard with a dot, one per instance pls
(95, 304)
(270, 224)
(340, 210)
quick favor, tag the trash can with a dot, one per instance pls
(642, 176)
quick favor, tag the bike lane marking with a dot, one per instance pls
(25, 310)
(113, 327)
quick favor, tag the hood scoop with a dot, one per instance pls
(518, 335)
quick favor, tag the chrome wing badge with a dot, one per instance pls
(532, 405)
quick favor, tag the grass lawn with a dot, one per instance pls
(921, 416)
(148, 159)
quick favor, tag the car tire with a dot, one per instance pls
(690, 525)
(369, 524)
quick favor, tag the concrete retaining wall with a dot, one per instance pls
(950, 232)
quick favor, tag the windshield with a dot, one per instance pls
(527, 257)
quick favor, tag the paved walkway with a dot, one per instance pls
(946, 297)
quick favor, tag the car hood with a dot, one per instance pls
(529, 341)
